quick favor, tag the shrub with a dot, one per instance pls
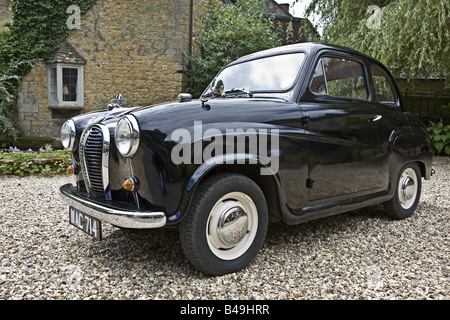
(440, 135)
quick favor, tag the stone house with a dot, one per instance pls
(130, 47)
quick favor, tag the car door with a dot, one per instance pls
(342, 131)
(395, 133)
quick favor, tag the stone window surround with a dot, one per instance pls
(59, 103)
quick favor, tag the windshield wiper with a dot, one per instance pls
(236, 92)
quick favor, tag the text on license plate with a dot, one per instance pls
(86, 223)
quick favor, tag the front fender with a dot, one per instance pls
(257, 168)
(240, 158)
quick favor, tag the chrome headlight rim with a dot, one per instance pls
(133, 136)
(68, 134)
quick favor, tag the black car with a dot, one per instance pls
(289, 134)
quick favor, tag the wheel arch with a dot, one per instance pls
(269, 184)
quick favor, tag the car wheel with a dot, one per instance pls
(407, 193)
(226, 224)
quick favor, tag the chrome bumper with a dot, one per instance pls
(119, 218)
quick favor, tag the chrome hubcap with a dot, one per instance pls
(232, 225)
(407, 188)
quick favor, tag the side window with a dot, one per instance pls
(384, 92)
(318, 80)
(339, 78)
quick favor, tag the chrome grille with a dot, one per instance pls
(94, 151)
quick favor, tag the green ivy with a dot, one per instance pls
(37, 28)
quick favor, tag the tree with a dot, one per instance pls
(411, 37)
(232, 31)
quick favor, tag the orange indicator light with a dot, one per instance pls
(73, 169)
(128, 184)
(131, 184)
(70, 170)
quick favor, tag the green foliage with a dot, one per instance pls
(44, 162)
(412, 37)
(37, 28)
(440, 135)
(230, 32)
(10, 79)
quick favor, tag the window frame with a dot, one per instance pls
(60, 103)
(365, 74)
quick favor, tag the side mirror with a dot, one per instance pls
(217, 87)
(215, 90)
(185, 97)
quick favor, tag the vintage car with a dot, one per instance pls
(288, 134)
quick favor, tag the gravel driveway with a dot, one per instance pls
(356, 255)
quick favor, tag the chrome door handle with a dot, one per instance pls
(375, 118)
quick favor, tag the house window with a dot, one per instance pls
(65, 86)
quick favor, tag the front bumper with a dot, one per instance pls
(114, 216)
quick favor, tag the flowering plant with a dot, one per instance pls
(46, 161)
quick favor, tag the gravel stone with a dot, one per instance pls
(361, 254)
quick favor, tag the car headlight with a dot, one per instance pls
(127, 136)
(68, 134)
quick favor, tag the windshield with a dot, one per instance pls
(276, 73)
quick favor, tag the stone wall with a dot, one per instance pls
(130, 47)
(133, 47)
(4, 10)
(34, 117)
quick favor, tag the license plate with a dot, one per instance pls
(86, 223)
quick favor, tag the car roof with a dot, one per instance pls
(308, 47)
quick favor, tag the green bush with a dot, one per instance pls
(440, 135)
